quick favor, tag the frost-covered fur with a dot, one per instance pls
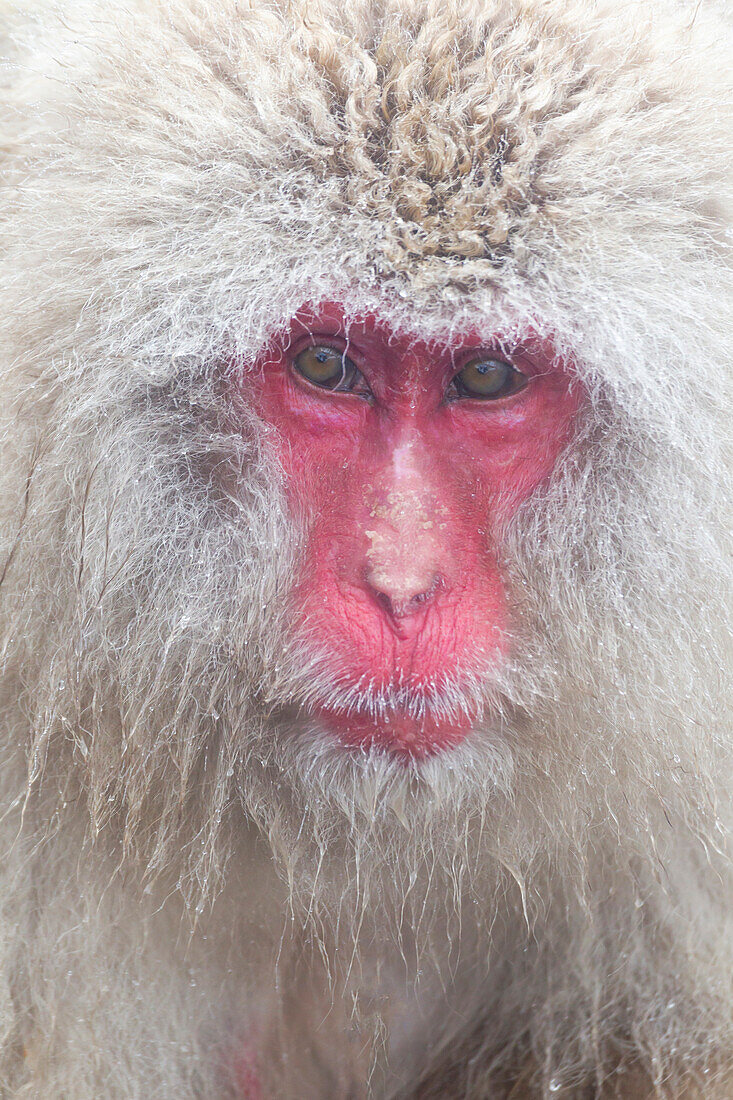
(193, 879)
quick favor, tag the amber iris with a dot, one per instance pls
(326, 366)
(488, 379)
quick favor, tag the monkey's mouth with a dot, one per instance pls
(404, 714)
(396, 730)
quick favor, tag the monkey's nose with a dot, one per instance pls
(404, 557)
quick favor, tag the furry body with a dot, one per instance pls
(201, 897)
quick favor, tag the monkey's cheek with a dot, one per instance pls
(398, 734)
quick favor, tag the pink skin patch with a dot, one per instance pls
(247, 1079)
(245, 1071)
(406, 486)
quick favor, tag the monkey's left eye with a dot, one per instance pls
(487, 379)
(330, 369)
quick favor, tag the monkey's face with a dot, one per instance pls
(406, 459)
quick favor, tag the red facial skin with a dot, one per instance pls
(405, 495)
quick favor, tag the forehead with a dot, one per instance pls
(375, 329)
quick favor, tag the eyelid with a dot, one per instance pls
(317, 340)
(471, 355)
(332, 340)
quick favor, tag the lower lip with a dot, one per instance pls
(398, 734)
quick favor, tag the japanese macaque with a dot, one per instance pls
(365, 575)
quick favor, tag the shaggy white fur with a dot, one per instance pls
(191, 874)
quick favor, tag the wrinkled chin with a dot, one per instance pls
(397, 731)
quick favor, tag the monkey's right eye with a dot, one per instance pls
(330, 369)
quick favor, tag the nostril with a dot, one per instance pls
(385, 602)
(399, 603)
(423, 597)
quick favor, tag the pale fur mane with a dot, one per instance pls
(170, 216)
